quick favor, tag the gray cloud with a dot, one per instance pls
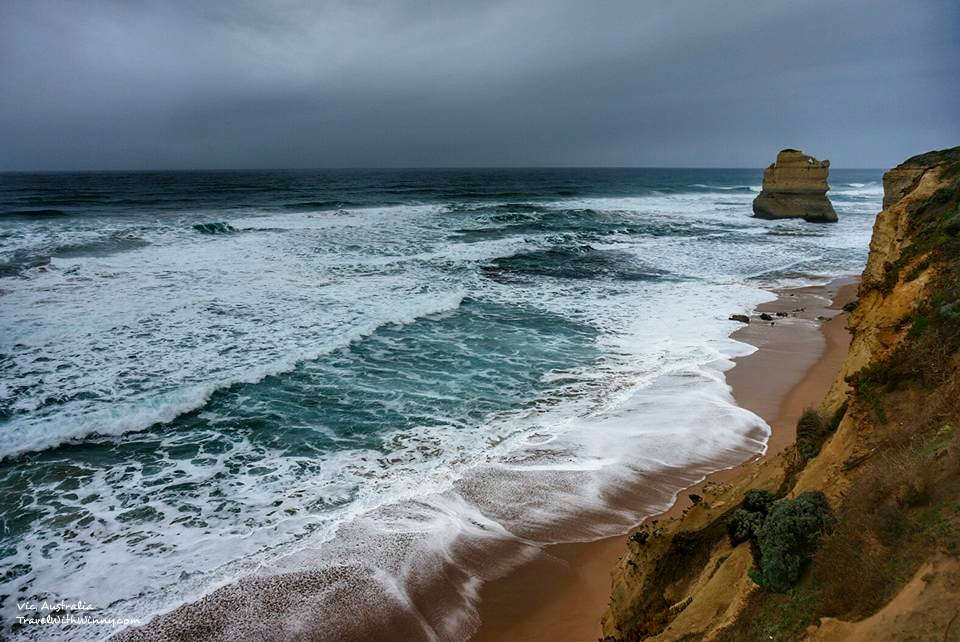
(121, 84)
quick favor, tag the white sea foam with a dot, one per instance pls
(191, 320)
(139, 338)
(120, 417)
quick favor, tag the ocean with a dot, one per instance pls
(208, 376)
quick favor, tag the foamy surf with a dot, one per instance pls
(363, 402)
(444, 536)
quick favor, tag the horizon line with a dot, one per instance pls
(386, 168)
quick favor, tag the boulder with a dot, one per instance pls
(795, 186)
(742, 318)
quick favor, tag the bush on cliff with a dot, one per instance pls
(746, 521)
(788, 538)
(811, 432)
(758, 500)
(743, 525)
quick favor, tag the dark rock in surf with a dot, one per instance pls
(766, 317)
(742, 318)
(214, 228)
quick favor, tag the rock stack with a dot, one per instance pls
(795, 186)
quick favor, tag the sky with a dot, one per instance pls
(217, 84)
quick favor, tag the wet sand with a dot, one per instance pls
(561, 595)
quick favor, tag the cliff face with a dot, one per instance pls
(795, 186)
(903, 178)
(883, 448)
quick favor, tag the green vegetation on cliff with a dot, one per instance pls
(788, 538)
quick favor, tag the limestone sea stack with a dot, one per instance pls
(795, 186)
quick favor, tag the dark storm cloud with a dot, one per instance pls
(308, 84)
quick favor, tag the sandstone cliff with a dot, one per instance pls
(795, 186)
(883, 449)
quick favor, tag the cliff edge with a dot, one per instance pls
(853, 532)
(795, 186)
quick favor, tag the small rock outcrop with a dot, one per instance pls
(795, 186)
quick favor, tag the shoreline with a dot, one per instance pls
(562, 594)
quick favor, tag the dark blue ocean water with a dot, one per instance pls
(205, 372)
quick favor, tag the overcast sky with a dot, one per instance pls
(233, 84)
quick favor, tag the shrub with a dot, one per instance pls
(788, 538)
(758, 500)
(918, 325)
(868, 382)
(950, 311)
(745, 522)
(891, 276)
(743, 525)
(811, 431)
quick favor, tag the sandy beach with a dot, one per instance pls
(562, 594)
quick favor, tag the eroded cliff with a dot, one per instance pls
(883, 449)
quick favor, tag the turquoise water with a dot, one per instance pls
(205, 373)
